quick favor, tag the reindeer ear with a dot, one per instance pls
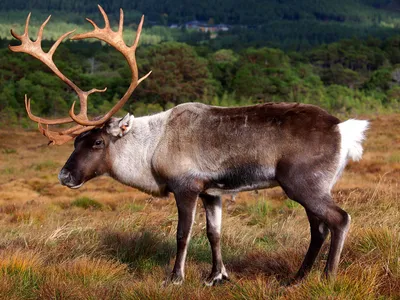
(120, 127)
(125, 124)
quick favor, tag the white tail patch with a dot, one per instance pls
(352, 134)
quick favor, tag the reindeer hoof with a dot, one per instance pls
(174, 279)
(216, 279)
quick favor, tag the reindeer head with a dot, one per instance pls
(91, 156)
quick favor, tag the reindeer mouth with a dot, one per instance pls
(76, 186)
(65, 177)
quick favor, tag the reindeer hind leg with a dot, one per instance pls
(313, 194)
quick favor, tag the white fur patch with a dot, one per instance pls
(215, 218)
(352, 133)
(131, 155)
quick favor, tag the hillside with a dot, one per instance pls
(289, 24)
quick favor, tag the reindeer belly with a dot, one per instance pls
(243, 178)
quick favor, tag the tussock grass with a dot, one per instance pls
(86, 203)
(356, 282)
(381, 245)
(260, 287)
(109, 241)
(89, 270)
(23, 269)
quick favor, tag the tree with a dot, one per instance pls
(380, 79)
(223, 65)
(178, 74)
(264, 73)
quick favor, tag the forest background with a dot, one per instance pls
(341, 55)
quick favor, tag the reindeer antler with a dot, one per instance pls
(106, 34)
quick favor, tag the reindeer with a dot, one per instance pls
(199, 151)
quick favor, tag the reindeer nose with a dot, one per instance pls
(64, 176)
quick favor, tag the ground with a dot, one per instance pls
(110, 241)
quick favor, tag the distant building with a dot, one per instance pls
(222, 27)
(205, 27)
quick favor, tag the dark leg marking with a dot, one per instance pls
(319, 232)
(339, 223)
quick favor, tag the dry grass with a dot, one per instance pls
(109, 241)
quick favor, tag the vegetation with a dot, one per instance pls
(251, 63)
(349, 75)
(86, 203)
(52, 248)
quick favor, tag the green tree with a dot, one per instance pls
(178, 74)
(380, 79)
(223, 65)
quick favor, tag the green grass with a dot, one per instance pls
(292, 204)
(135, 207)
(259, 211)
(8, 151)
(87, 203)
(394, 158)
(45, 165)
(266, 242)
(8, 171)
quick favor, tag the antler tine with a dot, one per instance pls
(19, 37)
(40, 33)
(106, 21)
(121, 21)
(28, 18)
(138, 32)
(96, 91)
(92, 22)
(54, 137)
(44, 121)
(58, 42)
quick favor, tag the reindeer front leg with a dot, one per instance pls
(186, 203)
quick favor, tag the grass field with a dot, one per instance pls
(109, 241)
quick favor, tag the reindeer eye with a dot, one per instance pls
(98, 144)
